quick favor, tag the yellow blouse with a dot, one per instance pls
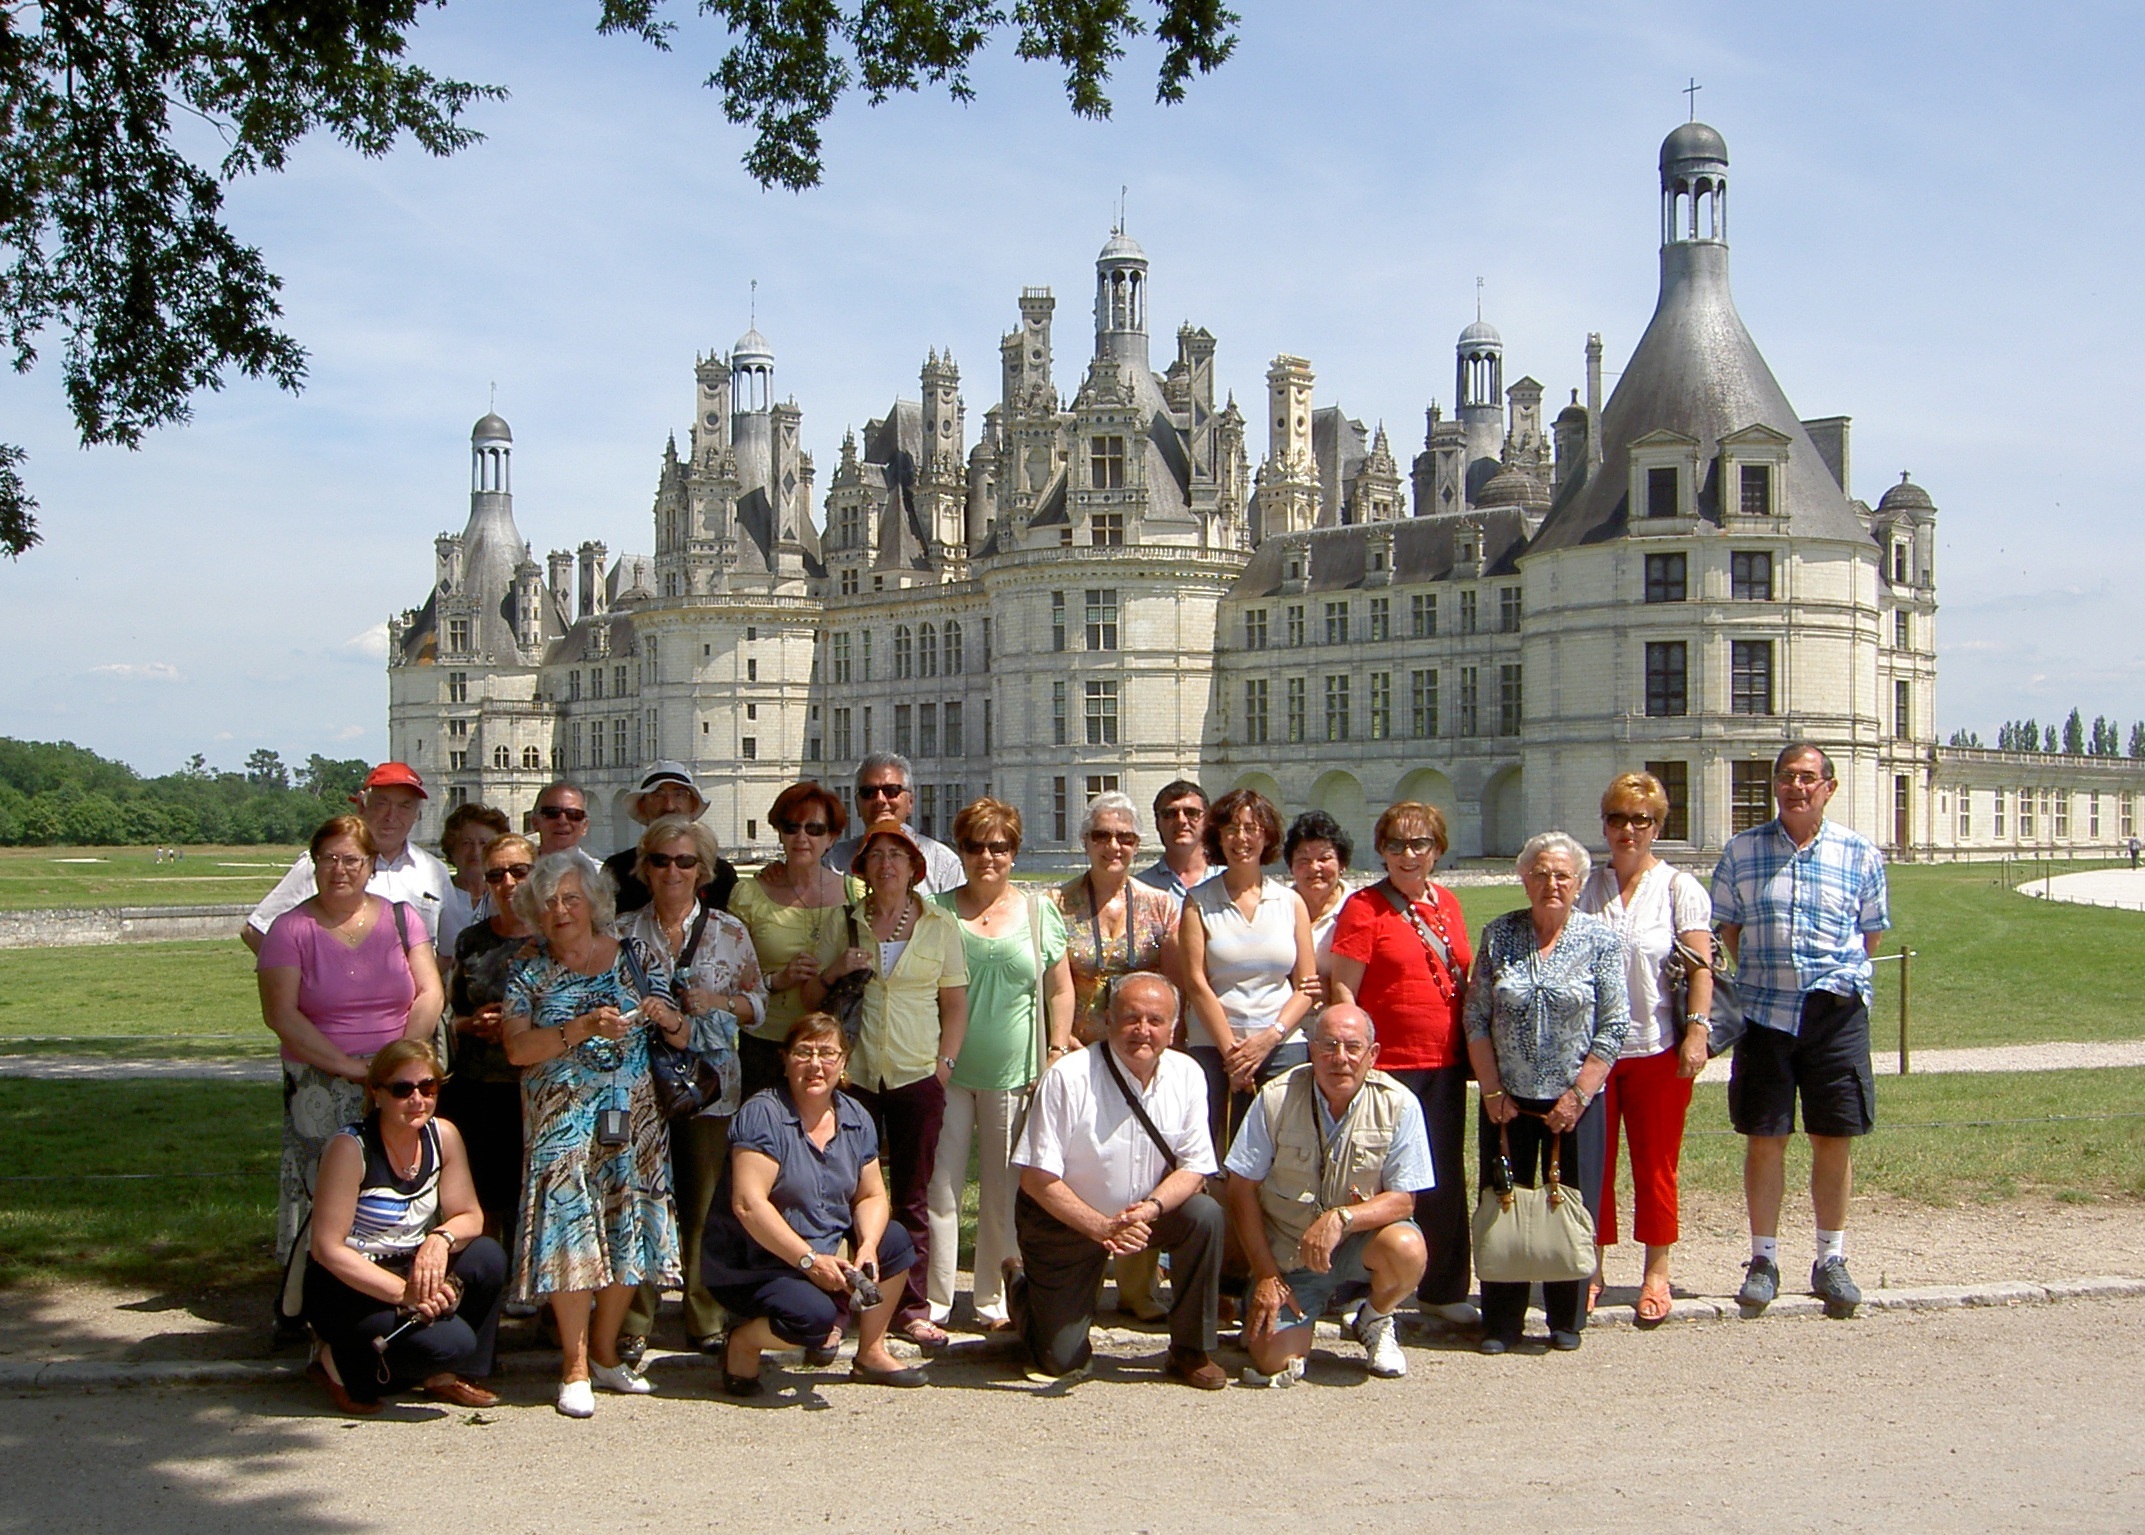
(779, 934)
(897, 1042)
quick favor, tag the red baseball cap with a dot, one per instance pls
(396, 775)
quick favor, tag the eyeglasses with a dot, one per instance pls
(565, 900)
(686, 861)
(1346, 1047)
(1617, 820)
(505, 872)
(429, 1086)
(809, 828)
(1413, 846)
(823, 1053)
(882, 791)
(1799, 780)
(343, 861)
(1121, 838)
(1000, 848)
(561, 813)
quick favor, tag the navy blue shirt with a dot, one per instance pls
(813, 1190)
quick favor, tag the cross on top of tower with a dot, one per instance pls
(1691, 93)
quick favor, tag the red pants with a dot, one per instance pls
(1646, 1096)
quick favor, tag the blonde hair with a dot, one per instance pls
(1640, 789)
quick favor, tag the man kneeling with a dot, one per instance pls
(1113, 1161)
(1322, 1185)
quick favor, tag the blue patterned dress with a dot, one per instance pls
(591, 1215)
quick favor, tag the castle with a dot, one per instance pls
(1099, 593)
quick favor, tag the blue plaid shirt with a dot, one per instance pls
(1802, 912)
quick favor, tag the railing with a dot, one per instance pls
(1905, 957)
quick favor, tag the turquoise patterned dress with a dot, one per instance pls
(591, 1215)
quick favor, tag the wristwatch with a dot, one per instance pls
(948, 1062)
(1698, 1020)
(1347, 1215)
(442, 1231)
(804, 1264)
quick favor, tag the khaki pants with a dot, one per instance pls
(986, 1117)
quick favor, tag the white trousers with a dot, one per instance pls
(986, 1118)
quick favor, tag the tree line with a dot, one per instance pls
(2102, 738)
(57, 792)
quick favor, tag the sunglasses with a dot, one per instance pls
(1001, 848)
(809, 828)
(505, 872)
(429, 1086)
(1121, 838)
(882, 791)
(1181, 813)
(1414, 846)
(561, 813)
(1617, 820)
(687, 861)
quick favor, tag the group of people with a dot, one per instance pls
(766, 1090)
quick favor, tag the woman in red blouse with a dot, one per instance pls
(1400, 953)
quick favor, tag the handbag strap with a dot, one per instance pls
(1042, 983)
(1439, 949)
(1132, 1102)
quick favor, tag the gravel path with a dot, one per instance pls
(2101, 887)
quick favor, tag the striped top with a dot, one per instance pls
(393, 1213)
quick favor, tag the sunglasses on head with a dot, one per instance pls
(429, 1086)
(686, 861)
(562, 813)
(1001, 847)
(882, 791)
(505, 872)
(809, 828)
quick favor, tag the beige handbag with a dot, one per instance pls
(1525, 1235)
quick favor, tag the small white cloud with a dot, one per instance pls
(371, 644)
(139, 671)
(350, 733)
(224, 735)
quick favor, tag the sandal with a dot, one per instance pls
(1654, 1302)
(1593, 1294)
(926, 1335)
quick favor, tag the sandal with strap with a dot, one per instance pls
(1655, 1302)
(926, 1335)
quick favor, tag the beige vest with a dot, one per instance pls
(1297, 1189)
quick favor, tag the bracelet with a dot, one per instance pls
(442, 1232)
(1699, 1020)
(1486, 1097)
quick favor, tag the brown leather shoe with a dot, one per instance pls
(343, 1400)
(1192, 1366)
(457, 1392)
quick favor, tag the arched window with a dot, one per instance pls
(955, 661)
(927, 646)
(502, 757)
(531, 758)
(902, 650)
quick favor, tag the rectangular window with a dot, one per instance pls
(1102, 619)
(905, 730)
(752, 671)
(1666, 576)
(573, 744)
(1256, 723)
(927, 730)
(1667, 679)
(618, 742)
(867, 730)
(458, 634)
(1106, 462)
(1750, 677)
(2092, 815)
(1057, 620)
(748, 747)
(1106, 530)
(573, 686)
(1903, 711)
(955, 744)
(956, 658)
(1508, 700)
(1899, 564)
(1381, 618)
(1336, 623)
(1057, 713)
(843, 738)
(1756, 484)
(1998, 823)
(1338, 692)
(1057, 808)
(1470, 700)
(1255, 628)
(1099, 784)
(1422, 704)
(458, 728)
(986, 727)
(838, 648)
(1101, 713)
(2126, 817)
(457, 761)
(1295, 623)
(1299, 709)
(1467, 611)
(1381, 706)
(1422, 615)
(1750, 795)
(1508, 610)
(2063, 813)
(1661, 492)
(1966, 815)
(1902, 630)
(904, 652)
(927, 809)
(849, 581)
(1676, 782)
(595, 682)
(1750, 575)
(864, 656)
(618, 681)
(2025, 814)
(458, 687)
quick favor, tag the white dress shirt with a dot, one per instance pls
(414, 877)
(1081, 1129)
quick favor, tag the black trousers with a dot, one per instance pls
(489, 1116)
(1054, 1305)
(1580, 1152)
(1444, 1212)
(348, 1320)
(759, 1064)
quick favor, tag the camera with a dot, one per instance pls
(613, 1128)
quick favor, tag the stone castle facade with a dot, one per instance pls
(1098, 592)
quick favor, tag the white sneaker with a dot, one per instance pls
(577, 1399)
(1279, 1380)
(1458, 1313)
(1380, 1337)
(625, 1380)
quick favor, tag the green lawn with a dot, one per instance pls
(192, 997)
(36, 877)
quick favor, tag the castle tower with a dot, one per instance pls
(1478, 385)
(1288, 490)
(1121, 301)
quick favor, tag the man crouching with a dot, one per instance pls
(1113, 1161)
(1322, 1185)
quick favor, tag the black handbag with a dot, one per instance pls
(1724, 1019)
(685, 1081)
(845, 993)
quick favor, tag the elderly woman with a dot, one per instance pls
(466, 833)
(483, 1098)
(715, 979)
(1249, 962)
(341, 975)
(1546, 1017)
(1652, 906)
(914, 1021)
(1400, 953)
(399, 1251)
(795, 910)
(1316, 852)
(804, 1179)
(595, 1217)
(1114, 924)
(1019, 1020)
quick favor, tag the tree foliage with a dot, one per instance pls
(55, 791)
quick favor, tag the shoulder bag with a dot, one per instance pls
(685, 1081)
(845, 993)
(1525, 1235)
(1724, 1018)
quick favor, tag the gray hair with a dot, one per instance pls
(669, 828)
(1104, 804)
(545, 877)
(1117, 986)
(1796, 749)
(879, 762)
(567, 784)
(1554, 842)
(1325, 1014)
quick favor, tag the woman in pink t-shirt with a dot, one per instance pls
(341, 975)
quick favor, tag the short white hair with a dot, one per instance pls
(1554, 842)
(547, 873)
(1105, 804)
(1144, 978)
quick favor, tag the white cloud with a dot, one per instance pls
(139, 671)
(224, 735)
(372, 644)
(350, 733)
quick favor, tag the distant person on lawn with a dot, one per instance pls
(391, 801)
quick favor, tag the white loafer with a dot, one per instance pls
(577, 1399)
(625, 1380)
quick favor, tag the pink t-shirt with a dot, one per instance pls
(358, 998)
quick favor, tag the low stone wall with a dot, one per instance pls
(117, 924)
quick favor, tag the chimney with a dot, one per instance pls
(1593, 399)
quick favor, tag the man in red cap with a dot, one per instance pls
(390, 803)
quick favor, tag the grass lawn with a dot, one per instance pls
(183, 994)
(37, 877)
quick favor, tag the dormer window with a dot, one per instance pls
(1901, 574)
(1756, 490)
(458, 634)
(1295, 569)
(1661, 498)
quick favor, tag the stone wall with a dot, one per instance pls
(118, 924)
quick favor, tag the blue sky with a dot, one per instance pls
(1935, 219)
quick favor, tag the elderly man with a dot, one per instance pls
(1114, 1161)
(667, 788)
(1322, 1185)
(1180, 820)
(886, 787)
(1801, 904)
(390, 802)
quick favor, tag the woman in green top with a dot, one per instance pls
(1015, 944)
(796, 913)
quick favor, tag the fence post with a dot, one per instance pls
(1906, 961)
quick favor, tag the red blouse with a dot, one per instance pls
(1414, 1000)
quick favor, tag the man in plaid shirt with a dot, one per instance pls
(1801, 906)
